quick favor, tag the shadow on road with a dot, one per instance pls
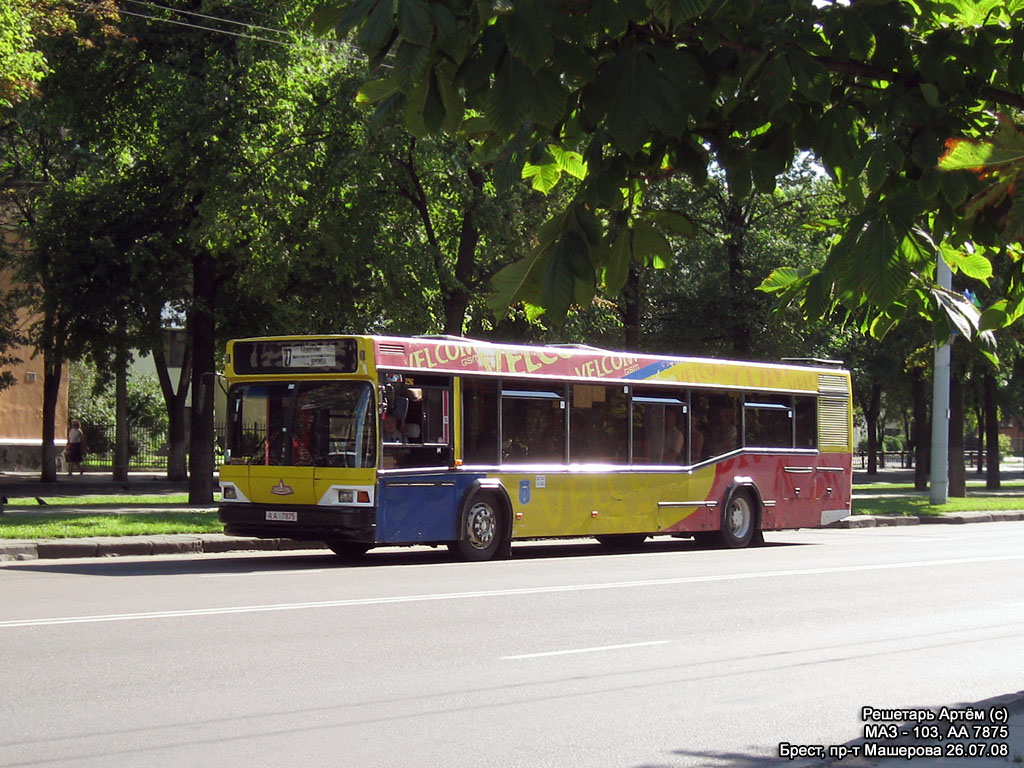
(317, 560)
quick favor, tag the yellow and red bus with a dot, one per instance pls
(364, 441)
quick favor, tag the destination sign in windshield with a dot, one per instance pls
(310, 356)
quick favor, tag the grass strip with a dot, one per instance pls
(77, 526)
(113, 500)
(909, 487)
(922, 506)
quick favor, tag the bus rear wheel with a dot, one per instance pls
(482, 531)
(739, 522)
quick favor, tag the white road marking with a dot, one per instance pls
(493, 593)
(584, 650)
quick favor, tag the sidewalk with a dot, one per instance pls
(27, 485)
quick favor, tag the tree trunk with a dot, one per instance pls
(632, 306)
(871, 414)
(991, 408)
(920, 431)
(456, 297)
(175, 402)
(736, 227)
(203, 326)
(121, 419)
(957, 470)
(979, 463)
(53, 367)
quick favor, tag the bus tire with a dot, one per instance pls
(482, 529)
(348, 551)
(739, 521)
(621, 542)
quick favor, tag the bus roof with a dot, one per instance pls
(557, 361)
(458, 355)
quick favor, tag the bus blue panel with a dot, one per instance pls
(421, 508)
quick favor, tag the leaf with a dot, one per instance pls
(340, 18)
(973, 265)
(876, 263)
(516, 282)
(527, 35)
(559, 286)
(544, 176)
(858, 35)
(675, 222)
(650, 246)
(414, 21)
(682, 11)
(410, 64)
(373, 91)
(783, 279)
(1014, 223)
(995, 317)
(380, 25)
(930, 94)
(776, 84)
(628, 78)
(569, 162)
(619, 256)
(454, 106)
(958, 310)
(503, 108)
(969, 154)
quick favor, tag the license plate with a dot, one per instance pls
(284, 517)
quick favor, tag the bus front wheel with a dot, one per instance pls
(482, 531)
(739, 522)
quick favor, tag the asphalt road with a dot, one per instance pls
(562, 656)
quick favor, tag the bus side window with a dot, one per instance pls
(716, 416)
(479, 421)
(768, 421)
(806, 422)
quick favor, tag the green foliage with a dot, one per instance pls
(21, 64)
(643, 91)
(1005, 447)
(91, 400)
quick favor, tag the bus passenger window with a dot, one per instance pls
(716, 417)
(659, 426)
(598, 424)
(532, 423)
(806, 422)
(479, 421)
(768, 422)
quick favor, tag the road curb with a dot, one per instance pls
(875, 521)
(129, 546)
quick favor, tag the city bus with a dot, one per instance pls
(368, 441)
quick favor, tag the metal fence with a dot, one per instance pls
(145, 450)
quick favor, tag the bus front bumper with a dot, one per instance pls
(334, 524)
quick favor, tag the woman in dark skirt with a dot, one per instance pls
(76, 446)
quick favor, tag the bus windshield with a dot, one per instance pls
(310, 424)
